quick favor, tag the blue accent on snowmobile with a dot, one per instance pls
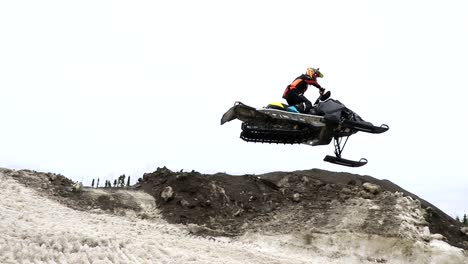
(292, 109)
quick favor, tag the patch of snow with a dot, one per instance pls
(36, 229)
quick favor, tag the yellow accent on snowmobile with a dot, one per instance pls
(280, 105)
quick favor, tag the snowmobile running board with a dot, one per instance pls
(345, 162)
(246, 113)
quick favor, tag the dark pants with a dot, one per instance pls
(294, 98)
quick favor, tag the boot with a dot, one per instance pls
(304, 107)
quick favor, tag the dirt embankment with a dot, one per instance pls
(292, 201)
(112, 200)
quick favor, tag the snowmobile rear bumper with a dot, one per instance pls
(240, 111)
(345, 162)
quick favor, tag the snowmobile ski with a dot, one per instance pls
(345, 162)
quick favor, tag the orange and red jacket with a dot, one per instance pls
(301, 83)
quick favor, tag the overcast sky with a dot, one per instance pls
(100, 88)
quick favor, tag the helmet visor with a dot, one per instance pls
(319, 74)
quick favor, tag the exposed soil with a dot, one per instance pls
(232, 205)
(65, 191)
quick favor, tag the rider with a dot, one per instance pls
(294, 93)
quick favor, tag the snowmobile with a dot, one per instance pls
(327, 120)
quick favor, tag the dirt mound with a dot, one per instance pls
(293, 201)
(51, 184)
(59, 188)
(310, 203)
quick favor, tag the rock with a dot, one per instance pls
(326, 187)
(418, 203)
(437, 237)
(218, 191)
(284, 182)
(317, 183)
(238, 212)
(167, 193)
(365, 195)
(372, 188)
(184, 203)
(296, 197)
(426, 234)
(376, 260)
(465, 243)
(163, 170)
(464, 230)
(78, 187)
(344, 196)
(346, 190)
(52, 177)
(203, 230)
(400, 194)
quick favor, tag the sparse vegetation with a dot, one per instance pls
(463, 221)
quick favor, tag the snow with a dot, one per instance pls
(35, 229)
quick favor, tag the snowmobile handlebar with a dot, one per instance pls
(323, 96)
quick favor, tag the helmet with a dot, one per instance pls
(314, 73)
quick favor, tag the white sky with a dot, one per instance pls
(101, 88)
